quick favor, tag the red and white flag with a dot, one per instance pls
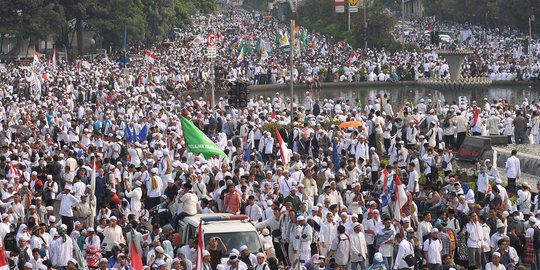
(352, 57)
(37, 59)
(150, 57)
(475, 116)
(4, 265)
(401, 197)
(12, 170)
(200, 248)
(283, 149)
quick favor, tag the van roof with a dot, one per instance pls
(222, 226)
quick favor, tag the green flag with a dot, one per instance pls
(197, 142)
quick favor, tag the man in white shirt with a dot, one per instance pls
(67, 203)
(513, 170)
(412, 185)
(432, 249)
(253, 210)
(495, 262)
(405, 248)
(474, 241)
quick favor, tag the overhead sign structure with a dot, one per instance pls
(340, 6)
(212, 40)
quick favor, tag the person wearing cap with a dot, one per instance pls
(91, 240)
(67, 203)
(113, 234)
(154, 187)
(50, 189)
(135, 196)
(72, 264)
(359, 251)
(234, 263)
(340, 249)
(121, 262)
(475, 241)
(247, 257)
(500, 234)
(261, 262)
(495, 263)
(303, 235)
(432, 248)
(61, 249)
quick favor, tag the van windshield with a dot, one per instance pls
(236, 240)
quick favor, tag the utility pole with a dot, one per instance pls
(403, 26)
(349, 16)
(293, 27)
(531, 19)
(365, 25)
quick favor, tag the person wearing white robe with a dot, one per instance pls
(359, 252)
(61, 249)
(135, 196)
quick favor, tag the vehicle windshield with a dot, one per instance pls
(236, 240)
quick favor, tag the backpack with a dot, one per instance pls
(536, 238)
(452, 236)
(394, 129)
(10, 242)
(446, 123)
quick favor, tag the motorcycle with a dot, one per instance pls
(93, 255)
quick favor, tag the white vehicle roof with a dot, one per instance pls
(221, 226)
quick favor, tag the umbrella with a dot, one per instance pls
(351, 124)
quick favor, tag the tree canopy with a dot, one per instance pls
(145, 20)
(493, 13)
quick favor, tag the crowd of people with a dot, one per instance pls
(331, 200)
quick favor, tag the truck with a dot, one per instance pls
(234, 230)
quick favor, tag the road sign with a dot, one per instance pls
(340, 6)
(212, 39)
(211, 52)
(353, 6)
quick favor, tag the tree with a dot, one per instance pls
(31, 19)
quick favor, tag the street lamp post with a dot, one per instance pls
(403, 26)
(365, 25)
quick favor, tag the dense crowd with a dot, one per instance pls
(330, 201)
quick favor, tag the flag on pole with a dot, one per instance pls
(136, 259)
(241, 55)
(264, 54)
(4, 265)
(198, 142)
(128, 134)
(335, 155)
(93, 188)
(200, 248)
(352, 57)
(37, 59)
(475, 117)
(143, 134)
(284, 40)
(247, 152)
(124, 43)
(54, 58)
(388, 195)
(401, 198)
(283, 149)
(150, 57)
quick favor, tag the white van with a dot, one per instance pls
(234, 231)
